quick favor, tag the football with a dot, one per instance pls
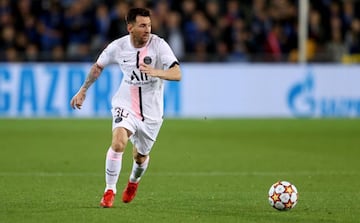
(283, 195)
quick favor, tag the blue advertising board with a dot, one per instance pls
(206, 90)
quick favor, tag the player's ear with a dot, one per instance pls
(129, 27)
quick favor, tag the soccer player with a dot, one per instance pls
(146, 60)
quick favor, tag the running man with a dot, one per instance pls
(146, 60)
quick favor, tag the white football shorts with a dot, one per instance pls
(144, 133)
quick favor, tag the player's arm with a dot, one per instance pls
(79, 97)
(172, 74)
(94, 73)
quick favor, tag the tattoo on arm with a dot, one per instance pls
(95, 72)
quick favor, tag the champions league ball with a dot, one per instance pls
(283, 196)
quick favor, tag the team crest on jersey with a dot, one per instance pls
(147, 60)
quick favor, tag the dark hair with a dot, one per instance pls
(131, 16)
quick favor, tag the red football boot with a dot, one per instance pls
(108, 199)
(129, 192)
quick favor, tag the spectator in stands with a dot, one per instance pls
(32, 53)
(239, 39)
(117, 20)
(188, 9)
(102, 25)
(7, 38)
(202, 37)
(219, 30)
(222, 52)
(273, 43)
(212, 12)
(22, 10)
(348, 13)
(5, 13)
(139, 3)
(233, 11)
(79, 29)
(31, 30)
(335, 49)
(260, 25)
(159, 17)
(174, 35)
(50, 26)
(317, 35)
(352, 40)
(12, 55)
(58, 54)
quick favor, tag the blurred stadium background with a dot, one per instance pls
(280, 58)
(198, 31)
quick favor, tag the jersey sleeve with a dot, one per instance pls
(107, 56)
(167, 56)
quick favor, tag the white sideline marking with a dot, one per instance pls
(184, 174)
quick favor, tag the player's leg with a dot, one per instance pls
(114, 157)
(113, 164)
(143, 141)
(140, 164)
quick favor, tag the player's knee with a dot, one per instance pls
(118, 146)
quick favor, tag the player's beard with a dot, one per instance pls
(142, 40)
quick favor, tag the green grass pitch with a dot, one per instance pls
(200, 171)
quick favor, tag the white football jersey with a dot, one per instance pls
(138, 93)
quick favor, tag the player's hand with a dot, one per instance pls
(149, 70)
(78, 99)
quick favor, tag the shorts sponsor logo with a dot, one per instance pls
(118, 119)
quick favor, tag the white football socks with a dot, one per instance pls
(138, 170)
(112, 169)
